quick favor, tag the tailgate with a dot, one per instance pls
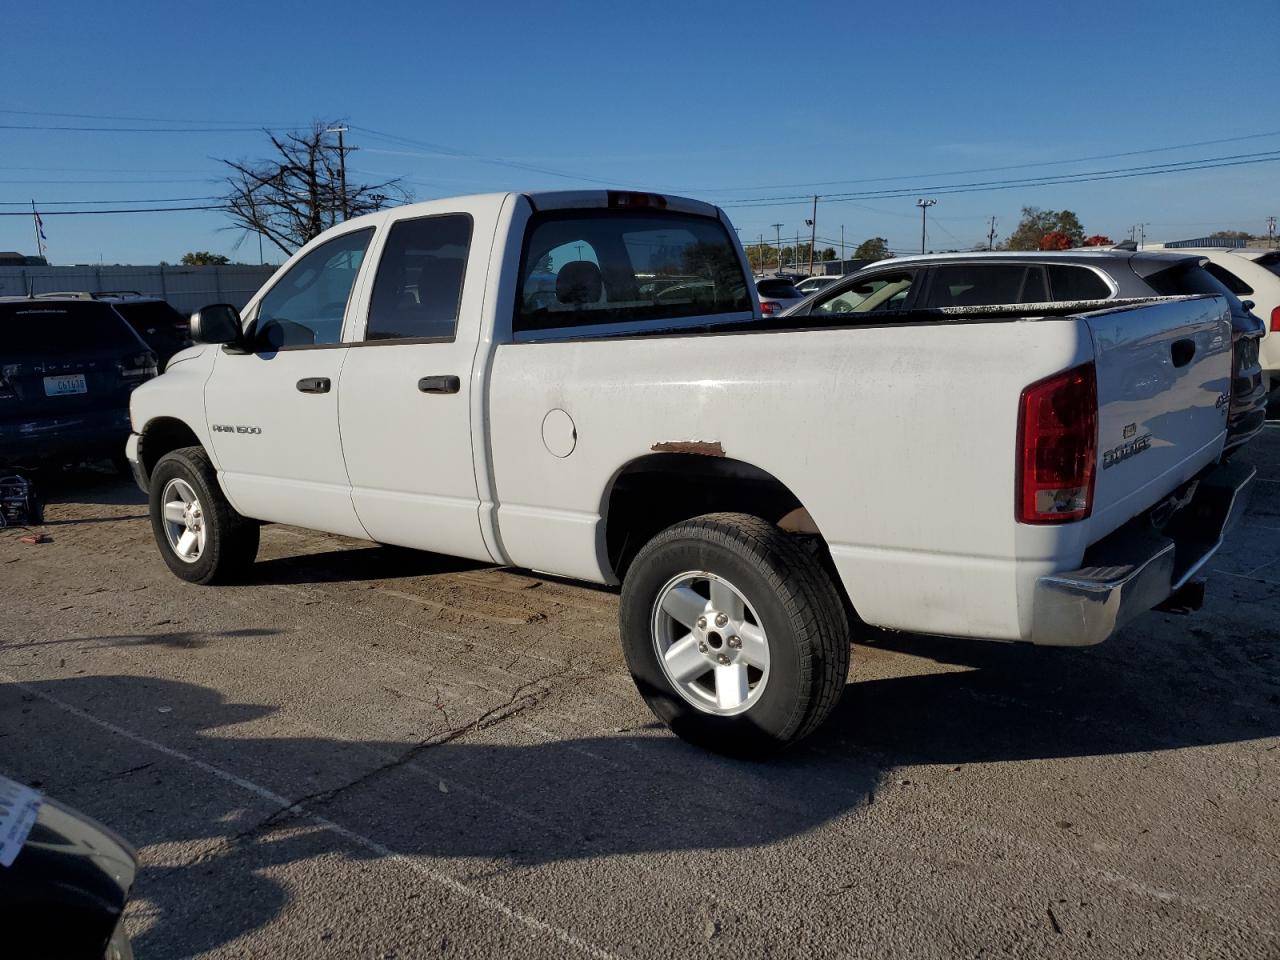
(1164, 381)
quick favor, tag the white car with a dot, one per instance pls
(1252, 274)
(759, 489)
(776, 294)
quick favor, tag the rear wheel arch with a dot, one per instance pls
(652, 492)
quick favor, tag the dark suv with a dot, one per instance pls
(67, 368)
(907, 284)
(164, 329)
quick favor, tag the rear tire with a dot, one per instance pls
(201, 537)
(755, 655)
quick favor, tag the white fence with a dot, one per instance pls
(186, 288)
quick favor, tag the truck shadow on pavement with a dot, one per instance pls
(213, 807)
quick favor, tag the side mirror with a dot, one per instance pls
(216, 323)
(1248, 304)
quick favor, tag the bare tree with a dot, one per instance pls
(298, 192)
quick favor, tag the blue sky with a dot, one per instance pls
(726, 102)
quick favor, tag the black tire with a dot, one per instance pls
(231, 541)
(796, 604)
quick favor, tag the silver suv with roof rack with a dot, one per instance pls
(1040, 278)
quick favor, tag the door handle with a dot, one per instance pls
(313, 385)
(1182, 351)
(440, 384)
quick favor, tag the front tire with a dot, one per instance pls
(201, 537)
(735, 635)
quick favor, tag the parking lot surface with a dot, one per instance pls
(366, 752)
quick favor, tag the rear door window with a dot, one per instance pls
(1068, 282)
(981, 284)
(586, 267)
(58, 329)
(418, 288)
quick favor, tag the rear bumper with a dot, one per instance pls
(1137, 567)
(66, 439)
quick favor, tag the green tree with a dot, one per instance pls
(1231, 235)
(203, 258)
(1036, 223)
(874, 248)
(829, 253)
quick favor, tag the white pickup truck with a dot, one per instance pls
(581, 383)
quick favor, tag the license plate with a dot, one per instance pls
(62, 385)
(19, 806)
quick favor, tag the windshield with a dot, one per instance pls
(585, 267)
(62, 328)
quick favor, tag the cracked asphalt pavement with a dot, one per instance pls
(365, 752)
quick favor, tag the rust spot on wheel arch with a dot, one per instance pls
(701, 448)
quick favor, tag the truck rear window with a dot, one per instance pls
(587, 267)
(62, 328)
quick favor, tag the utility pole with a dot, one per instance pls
(924, 206)
(813, 233)
(760, 252)
(842, 248)
(1271, 232)
(777, 230)
(342, 167)
(1142, 235)
(39, 225)
(991, 235)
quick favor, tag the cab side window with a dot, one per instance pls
(418, 288)
(305, 307)
(884, 293)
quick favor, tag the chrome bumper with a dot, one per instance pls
(1136, 569)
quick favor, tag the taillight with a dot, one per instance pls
(140, 366)
(768, 308)
(1275, 319)
(1058, 447)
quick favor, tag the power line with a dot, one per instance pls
(446, 151)
(1206, 163)
(82, 129)
(65, 203)
(73, 183)
(69, 213)
(103, 116)
(1012, 166)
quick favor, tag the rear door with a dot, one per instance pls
(405, 397)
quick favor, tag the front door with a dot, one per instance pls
(405, 398)
(273, 412)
